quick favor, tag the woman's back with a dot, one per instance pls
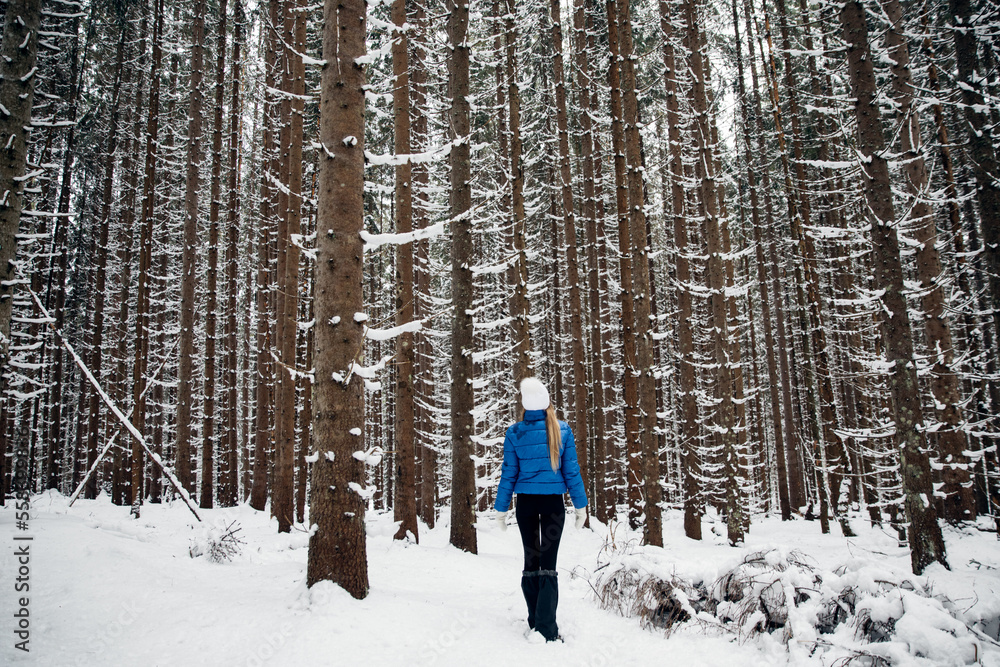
(527, 467)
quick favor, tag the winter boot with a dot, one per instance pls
(529, 586)
(548, 600)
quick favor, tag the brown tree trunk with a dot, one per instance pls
(337, 549)
(212, 271)
(463, 480)
(629, 382)
(100, 278)
(424, 362)
(580, 409)
(689, 429)
(405, 507)
(641, 294)
(981, 149)
(598, 297)
(716, 276)
(519, 305)
(17, 88)
(752, 123)
(926, 543)
(142, 308)
(185, 383)
(959, 503)
(263, 441)
(282, 492)
(228, 481)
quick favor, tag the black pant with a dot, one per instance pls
(540, 519)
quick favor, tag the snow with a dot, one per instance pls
(110, 590)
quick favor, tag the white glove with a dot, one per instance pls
(502, 520)
(581, 517)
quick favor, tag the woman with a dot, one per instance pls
(539, 465)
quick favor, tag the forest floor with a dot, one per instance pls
(109, 590)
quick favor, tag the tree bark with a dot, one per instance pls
(580, 408)
(959, 503)
(629, 381)
(926, 543)
(337, 549)
(185, 383)
(228, 481)
(519, 304)
(463, 480)
(405, 505)
(752, 123)
(17, 88)
(641, 293)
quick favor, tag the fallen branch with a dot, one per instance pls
(114, 409)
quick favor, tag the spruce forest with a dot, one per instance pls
(299, 256)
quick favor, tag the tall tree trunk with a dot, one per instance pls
(641, 292)
(337, 550)
(17, 88)
(139, 379)
(980, 142)
(715, 275)
(752, 124)
(185, 383)
(926, 543)
(580, 409)
(629, 382)
(212, 270)
(598, 297)
(405, 507)
(228, 481)
(55, 465)
(519, 304)
(101, 264)
(685, 336)
(424, 362)
(263, 441)
(282, 494)
(959, 503)
(463, 479)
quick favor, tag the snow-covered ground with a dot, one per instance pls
(109, 590)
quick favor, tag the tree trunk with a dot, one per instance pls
(715, 274)
(17, 87)
(629, 381)
(926, 543)
(981, 149)
(463, 478)
(100, 278)
(752, 123)
(263, 441)
(519, 304)
(337, 549)
(212, 270)
(405, 507)
(185, 383)
(641, 293)
(142, 307)
(580, 410)
(959, 503)
(690, 431)
(598, 296)
(228, 481)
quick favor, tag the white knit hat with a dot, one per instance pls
(534, 395)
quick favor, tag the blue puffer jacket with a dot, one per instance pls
(526, 464)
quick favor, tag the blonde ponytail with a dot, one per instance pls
(555, 435)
